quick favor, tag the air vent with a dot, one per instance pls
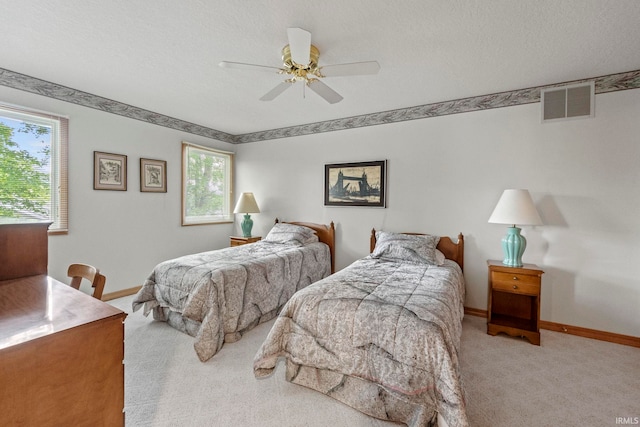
(568, 102)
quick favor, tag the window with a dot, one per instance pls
(206, 185)
(33, 167)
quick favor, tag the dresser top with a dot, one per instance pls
(36, 306)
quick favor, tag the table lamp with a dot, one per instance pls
(514, 207)
(246, 204)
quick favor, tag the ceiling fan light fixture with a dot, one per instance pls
(308, 73)
(314, 55)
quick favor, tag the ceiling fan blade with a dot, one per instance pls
(329, 95)
(243, 66)
(353, 69)
(299, 44)
(273, 93)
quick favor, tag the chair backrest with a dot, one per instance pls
(77, 272)
(98, 285)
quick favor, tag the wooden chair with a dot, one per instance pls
(77, 272)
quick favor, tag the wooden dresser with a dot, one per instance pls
(23, 249)
(61, 350)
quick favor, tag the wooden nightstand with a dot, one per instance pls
(237, 241)
(514, 300)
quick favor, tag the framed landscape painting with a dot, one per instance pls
(355, 184)
(109, 171)
(153, 176)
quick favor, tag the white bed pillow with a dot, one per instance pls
(289, 234)
(440, 257)
(420, 249)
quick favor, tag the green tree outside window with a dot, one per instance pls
(25, 180)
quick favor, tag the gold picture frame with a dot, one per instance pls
(153, 176)
(109, 171)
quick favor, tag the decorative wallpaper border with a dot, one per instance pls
(52, 90)
(609, 83)
(603, 84)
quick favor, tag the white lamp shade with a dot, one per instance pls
(246, 204)
(515, 207)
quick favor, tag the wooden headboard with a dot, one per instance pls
(326, 234)
(451, 250)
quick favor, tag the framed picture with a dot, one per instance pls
(109, 171)
(355, 184)
(153, 176)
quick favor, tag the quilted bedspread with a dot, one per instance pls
(216, 296)
(380, 336)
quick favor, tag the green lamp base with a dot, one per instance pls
(513, 246)
(246, 225)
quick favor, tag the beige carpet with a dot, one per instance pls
(568, 381)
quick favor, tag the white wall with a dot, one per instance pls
(124, 233)
(445, 175)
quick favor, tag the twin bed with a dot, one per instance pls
(382, 335)
(219, 295)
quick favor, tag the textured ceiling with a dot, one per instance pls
(163, 55)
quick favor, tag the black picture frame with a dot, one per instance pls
(356, 184)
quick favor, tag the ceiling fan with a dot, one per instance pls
(300, 60)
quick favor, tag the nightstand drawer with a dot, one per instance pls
(515, 283)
